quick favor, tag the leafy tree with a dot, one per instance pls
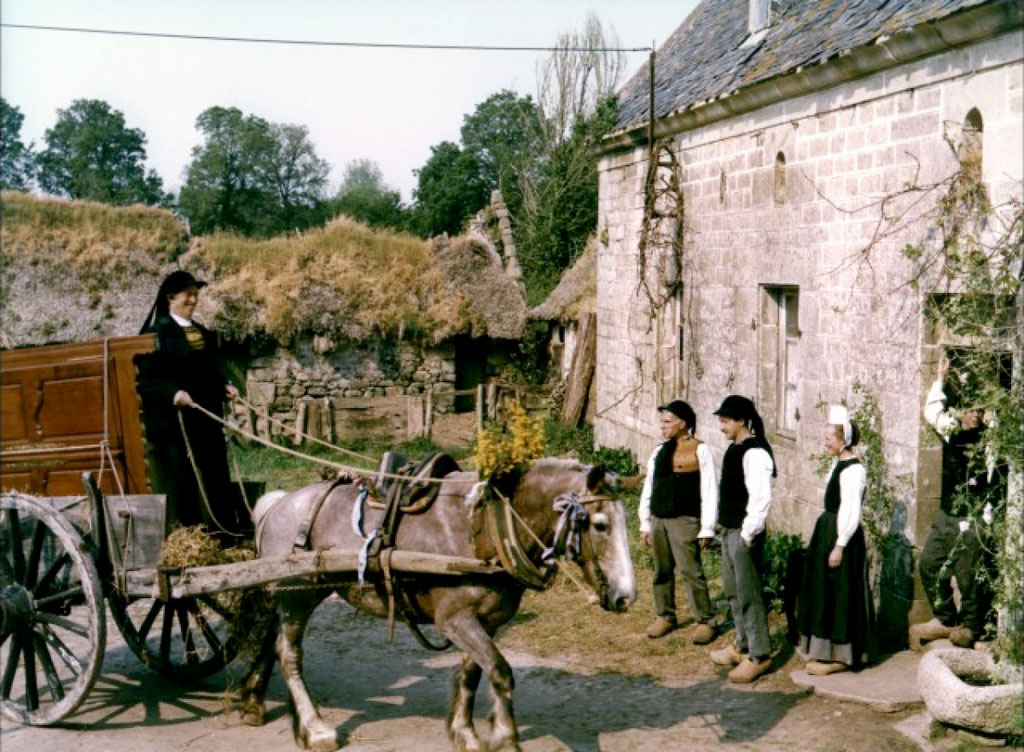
(503, 134)
(16, 157)
(91, 154)
(296, 175)
(449, 190)
(364, 196)
(223, 186)
(252, 176)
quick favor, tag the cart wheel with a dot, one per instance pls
(53, 625)
(182, 638)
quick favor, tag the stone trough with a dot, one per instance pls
(963, 688)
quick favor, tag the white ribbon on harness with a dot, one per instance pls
(568, 529)
(357, 528)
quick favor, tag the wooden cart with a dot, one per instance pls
(67, 557)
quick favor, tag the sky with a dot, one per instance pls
(386, 105)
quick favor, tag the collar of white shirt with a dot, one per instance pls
(181, 321)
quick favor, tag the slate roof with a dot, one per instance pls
(704, 59)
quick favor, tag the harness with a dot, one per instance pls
(496, 532)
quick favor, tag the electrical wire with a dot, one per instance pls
(320, 42)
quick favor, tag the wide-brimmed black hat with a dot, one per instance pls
(179, 280)
(681, 410)
(737, 407)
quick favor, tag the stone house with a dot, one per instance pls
(743, 249)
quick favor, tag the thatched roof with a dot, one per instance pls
(575, 294)
(494, 303)
(75, 271)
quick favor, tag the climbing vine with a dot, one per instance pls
(967, 267)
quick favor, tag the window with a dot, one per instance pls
(779, 359)
(779, 179)
(789, 341)
(670, 348)
(970, 153)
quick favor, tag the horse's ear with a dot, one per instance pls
(595, 477)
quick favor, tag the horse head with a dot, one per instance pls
(589, 526)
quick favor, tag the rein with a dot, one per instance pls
(500, 521)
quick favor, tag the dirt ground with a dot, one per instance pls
(385, 698)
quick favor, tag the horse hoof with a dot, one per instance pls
(509, 745)
(319, 737)
(466, 740)
(253, 715)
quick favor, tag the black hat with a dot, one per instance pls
(177, 281)
(682, 411)
(736, 407)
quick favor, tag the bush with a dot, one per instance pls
(579, 442)
(777, 548)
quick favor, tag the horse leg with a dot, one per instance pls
(252, 707)
(460, 715)
(309, 728)
(466, 632)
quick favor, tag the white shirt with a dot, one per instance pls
(757, 477)
(853, 481)
(182, 321)
(708, 492)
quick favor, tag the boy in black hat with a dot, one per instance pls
(677, 518)
(745, 495)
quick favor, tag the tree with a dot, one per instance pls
(252, 176)
(222, 187)
(17, 158)
(449, 189)
(364, 196)
(503, 134)
(91, 154)
(296, 175)
(559, 197)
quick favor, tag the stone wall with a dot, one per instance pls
(378, 375)
(756, 230)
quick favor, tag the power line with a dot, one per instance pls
(320, 42)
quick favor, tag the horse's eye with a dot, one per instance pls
(600, 523)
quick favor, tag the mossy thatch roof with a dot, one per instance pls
(77, 271)
(575, 294)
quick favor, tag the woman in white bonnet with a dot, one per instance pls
(835, 613)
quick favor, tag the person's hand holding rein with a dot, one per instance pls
(231, 391)
(182, 399)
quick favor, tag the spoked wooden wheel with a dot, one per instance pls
(182, 638)
(52, 618)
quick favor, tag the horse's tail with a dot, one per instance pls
(263, 506)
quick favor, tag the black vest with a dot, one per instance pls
(673, 494)
(833, 492)
(961, 472)
(732, 491)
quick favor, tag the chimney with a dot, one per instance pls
(758, 18)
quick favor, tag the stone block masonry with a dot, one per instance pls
(370, 378)
(782, 204)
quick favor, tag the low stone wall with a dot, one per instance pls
(316, 377)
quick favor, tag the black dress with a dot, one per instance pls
(177, 365)
(835, 614)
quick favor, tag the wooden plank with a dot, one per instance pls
(582, 371)
(137, 524)
(221, 577)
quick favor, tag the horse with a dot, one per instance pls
(466, 609)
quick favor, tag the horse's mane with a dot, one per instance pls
(547, 465)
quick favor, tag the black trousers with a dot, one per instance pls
(951, 552)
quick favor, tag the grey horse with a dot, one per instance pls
(465, 609)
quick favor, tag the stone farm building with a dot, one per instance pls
(752, 269)
(340, 328)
